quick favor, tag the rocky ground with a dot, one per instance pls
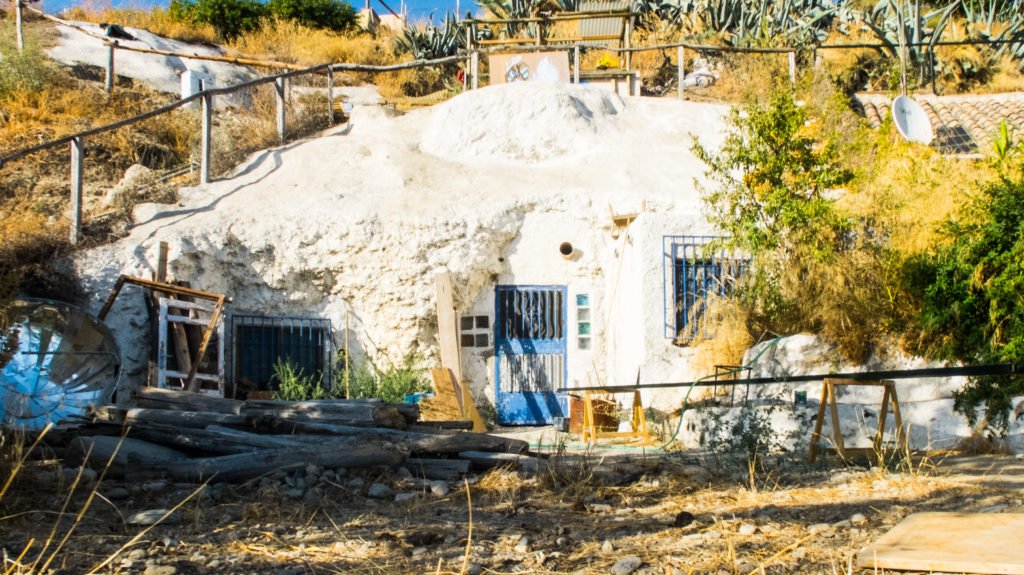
(630, 513)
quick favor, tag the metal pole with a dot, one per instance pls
(682, 70)
(77, 156)
(205, 140)
(109, 85)
(475, 66)
(279, 89)
(576, 64)
(18, 25)
(330, 97)
(792, 67)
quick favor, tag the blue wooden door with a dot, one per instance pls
(530, 343)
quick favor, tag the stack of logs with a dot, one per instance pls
(193, 437)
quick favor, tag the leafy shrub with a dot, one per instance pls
(390, 385)
(330, 14)
(229, 17)
(971, 308)
(772, 195)
(291, 385)
(232, 18)
(27, 71)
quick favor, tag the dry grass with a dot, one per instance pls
(156, 20)
(288, 41)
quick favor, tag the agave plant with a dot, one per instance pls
(511, 10)
(889, 20)
(431, 42)
(673, 12)
(762, 22)
(1006, 16)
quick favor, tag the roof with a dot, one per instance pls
(963, 124)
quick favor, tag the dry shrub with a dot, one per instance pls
(906, 190)
(739, 74)
(30, 244)
(155, 20)
(728, 337)
(289, 41)
(978, 444)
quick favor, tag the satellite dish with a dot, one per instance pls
(911, 120)
(55, 361)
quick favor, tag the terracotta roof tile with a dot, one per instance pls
(957, 120)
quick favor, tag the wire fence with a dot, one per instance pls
(216, 128)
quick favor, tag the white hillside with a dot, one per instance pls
(159, 72)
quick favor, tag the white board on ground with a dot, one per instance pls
(951, 543)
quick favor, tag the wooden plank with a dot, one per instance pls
(950, 542)
(445, 403)
(447, 328)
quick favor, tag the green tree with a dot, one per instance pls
(229, 17)
(770, 195)
(329, 14)
(972, 309)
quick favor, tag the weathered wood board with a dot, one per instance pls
(951, 542)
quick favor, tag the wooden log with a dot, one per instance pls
(421, 443)
(373, 415)
(154, 398)
(95, 452)
(215, 440)
(483, 460)
(445, 469)
(411, 412)
(193, 419)
(429, 426)
(243, 466)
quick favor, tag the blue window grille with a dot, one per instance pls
(694, 275)
(258, 342)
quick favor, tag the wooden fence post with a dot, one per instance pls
(279, 90)
(18, 26)
(77, 156)
(330, 96)
(629, 43)
(792, 67)
(205, 139)
(576, 64)
(109, 83)
(682, 70)
(475, 66)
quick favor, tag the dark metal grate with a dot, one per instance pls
(257, 342)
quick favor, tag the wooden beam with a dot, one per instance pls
(109, 80)
(330, 97)
(279, 98)
(77, 159)
(18, 26)
(205, 141)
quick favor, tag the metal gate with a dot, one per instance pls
(530, 344)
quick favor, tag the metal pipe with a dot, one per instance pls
(931, 372)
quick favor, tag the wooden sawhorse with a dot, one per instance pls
(828, 395)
